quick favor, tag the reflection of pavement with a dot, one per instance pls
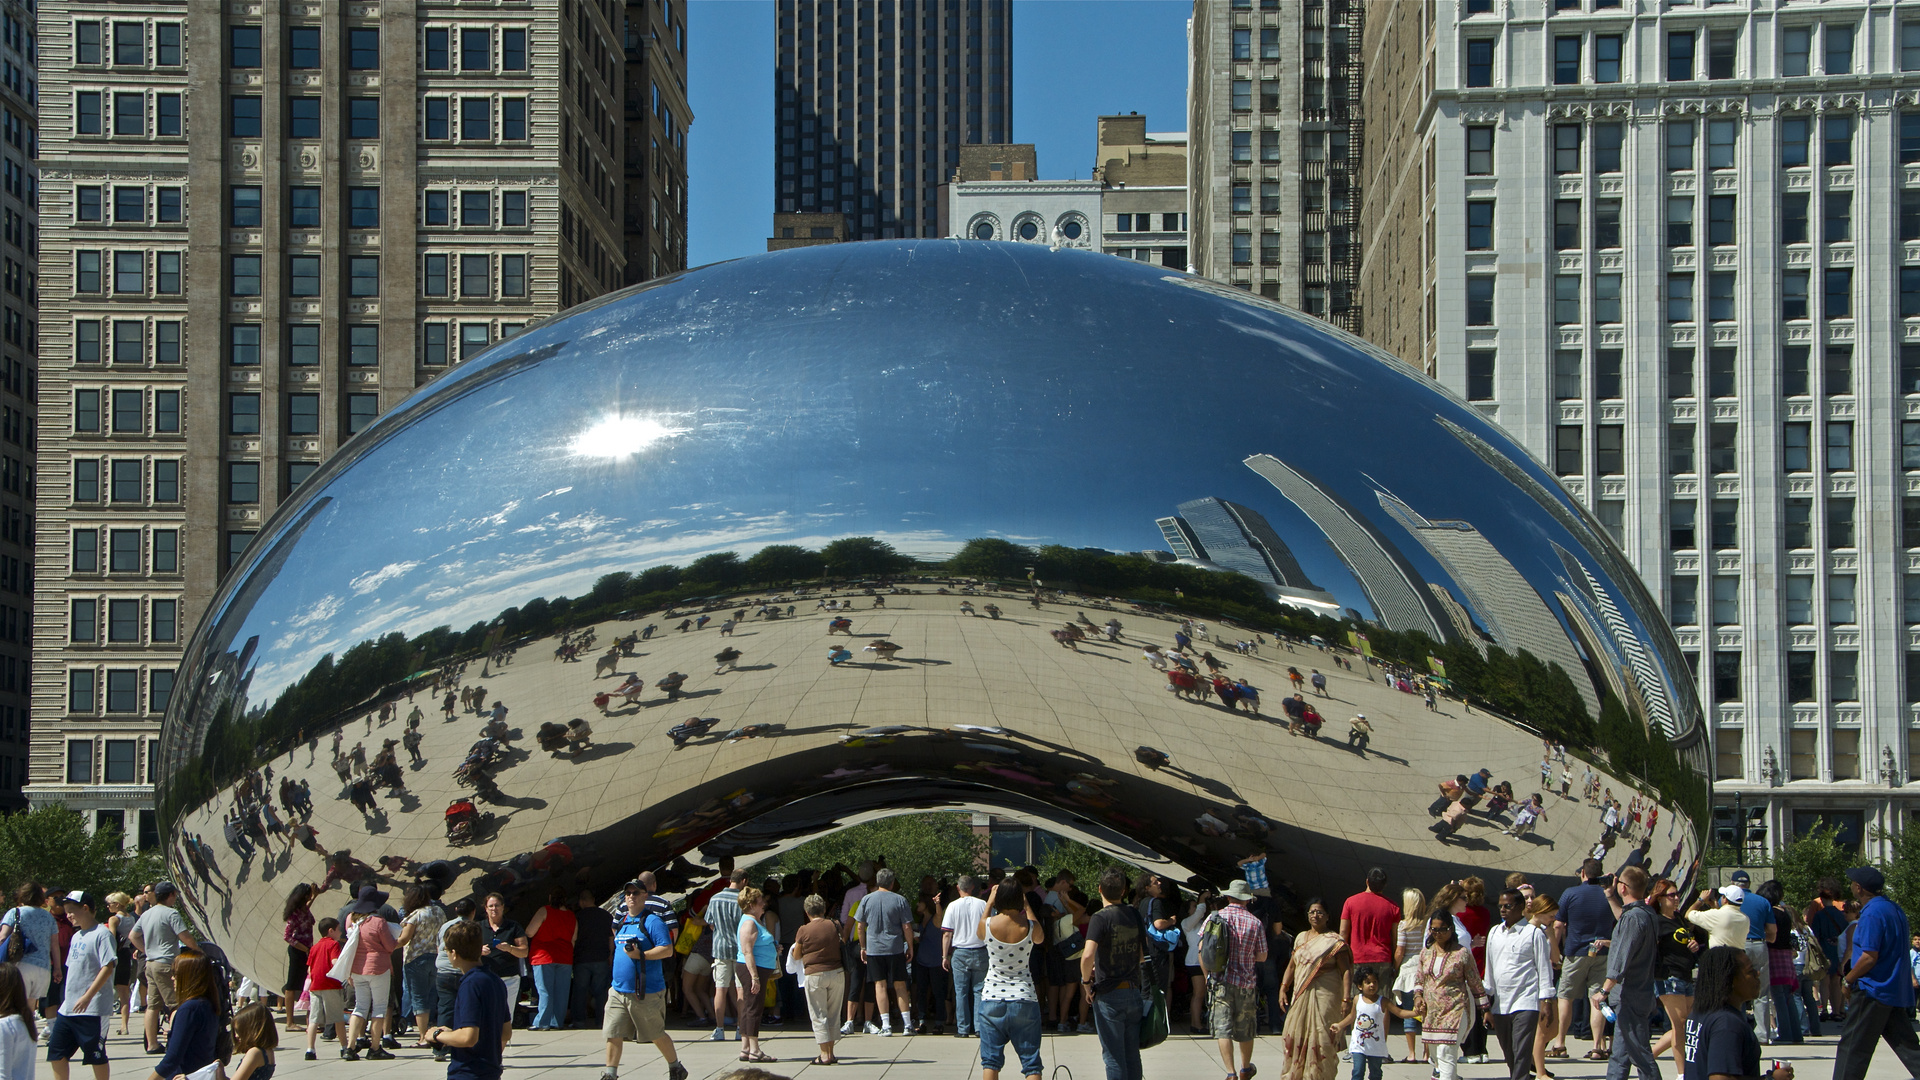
(1102, 701)
(566, 1054)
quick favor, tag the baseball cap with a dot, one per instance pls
(1734, 893)
(79, 897)
(1741, 877)
(1867, 878)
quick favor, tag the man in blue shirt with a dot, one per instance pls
(637, 1000)
(1882, 986)
(481, 1027)
(1760, 930)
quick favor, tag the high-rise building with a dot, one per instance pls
(267, 224)
(19, 381)
(1275, 143)
(1671, 248)
(1240, 538)
(874, 102)
(1143, 182)
(657, 119)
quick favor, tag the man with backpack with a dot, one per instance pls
(637, 1000)
(1232, 942)
(1112, 977)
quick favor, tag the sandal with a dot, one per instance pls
(760, 1058)
(1558, 1052)
(1595, 1055)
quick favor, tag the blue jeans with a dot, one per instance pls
(969, 976)
(1018, 1022)
(447, 987)
(1367, 1068)
(590, 981)
(554, 980)
(417, 994)
(1786, 1015)
(1116, 1016)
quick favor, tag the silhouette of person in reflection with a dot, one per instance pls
(837, 655)
(672, 684)
(726, 658)
(883, 649)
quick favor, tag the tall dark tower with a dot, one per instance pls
(874, 99)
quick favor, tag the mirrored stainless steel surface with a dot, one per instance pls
(939, 496)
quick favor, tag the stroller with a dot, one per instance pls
(473, 770)
(464, 822)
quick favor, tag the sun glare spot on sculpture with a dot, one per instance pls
(615, 437)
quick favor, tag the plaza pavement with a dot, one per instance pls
(578, 1055)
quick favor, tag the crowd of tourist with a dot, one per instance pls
(1623, 962)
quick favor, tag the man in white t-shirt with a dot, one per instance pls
(81, 1025)
(964, 952)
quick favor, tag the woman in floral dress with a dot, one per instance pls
(1450, 996)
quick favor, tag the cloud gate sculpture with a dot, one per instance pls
(734, 558)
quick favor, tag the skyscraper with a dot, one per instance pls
(267, 225)
(657, 119)
(1394, 589)
(1238, 538)
(19, 374)
(1275, 144)
(874, 101)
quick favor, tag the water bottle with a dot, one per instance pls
(1606, 1010)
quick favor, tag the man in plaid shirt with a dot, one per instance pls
(1233, 994)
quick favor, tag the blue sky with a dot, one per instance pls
(1073, 60)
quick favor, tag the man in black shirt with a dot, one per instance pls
(1110, 972)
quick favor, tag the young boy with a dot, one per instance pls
(1368, 1016)
(326, 1005)
(481, 1025)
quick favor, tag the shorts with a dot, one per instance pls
(77, 1033)
(123, 966)
(695, 965)
(40, 979)
(1581, 975)
(1231, 1011)
(1409, 1025)
(633, 1018)
(1055, 965)
(158, 978)
(370, 993)
(325, 1008)
(1674, 987)
(722, 976)
(890, 968)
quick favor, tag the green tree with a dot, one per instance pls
(1800, 864)
(778, 564)
(52, 846)
(988, 557)
(1085, 863)
(1902, 867)
(722, 568)
(941, 843)
(862, 556)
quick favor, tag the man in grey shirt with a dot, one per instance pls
(158, 935)
(886, 924)
(1631, 964)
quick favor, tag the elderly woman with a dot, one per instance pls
(756, 961)
(816, 944)
(1450, 997)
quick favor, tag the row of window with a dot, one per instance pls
(126, 481)
(437, 340)
(126, 411)
(1796, 136)
(128, 274)
(476, 275)
(120, 760)
(1797, 375)
(1723, 450)
(362, 117)
(1315, 146)
(130, 112)
(1797, 303)
(1600, 60)
(122, 696)
(123, 621)
(127, 44)
(1842, 607)
(245, 206)
(301, 415)
(129, 551)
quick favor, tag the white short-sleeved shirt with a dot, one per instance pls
(16, 1049)
(89, 952)
(963, 918)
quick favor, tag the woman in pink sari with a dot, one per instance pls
(1310, 994)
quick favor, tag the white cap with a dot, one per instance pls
(1734, 893)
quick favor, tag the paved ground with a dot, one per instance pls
(580, 1054)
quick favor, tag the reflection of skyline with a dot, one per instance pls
(1238, 538)
(1393, 588)
(1647, 689)
(1507, 607)
(1686, 727)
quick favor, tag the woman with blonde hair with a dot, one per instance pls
(1541, 911)
(120, 920)
(756, 960)
(1411, 938)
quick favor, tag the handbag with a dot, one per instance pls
(210, 1072)
(17, 944)
(690, 932)
(1067, 941)
(342, 969)
(1153, 1021)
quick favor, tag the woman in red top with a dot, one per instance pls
(1478, 920)
(550, 937)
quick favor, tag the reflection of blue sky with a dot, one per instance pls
(923, 393)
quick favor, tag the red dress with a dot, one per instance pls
(1478, 920)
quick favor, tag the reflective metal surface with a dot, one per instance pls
(718, 444)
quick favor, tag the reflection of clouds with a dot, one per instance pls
(319, 611)
(372, 580)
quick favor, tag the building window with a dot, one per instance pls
(166, 482)
(123, 690)
(1606, 58)
(83, 621)
(1242, 91)
(1796, 50)
(1480, 62)
(1480, 299)
(1566, 60)
(243, 482)
(433, 343)
(129, 272)
(1793, 218)
(476, 208)
(1838, 210)
(1840, 446)
(303, 414)
(1799, 610)
(128, 478)
(363, 48)
(474, 339)
(476, 275)
(1721, 374)
(433, 277)
(86, 410)
(303, 207)
(166, 412)
(237, 547)
(1566, 299)
(1836, 135)
(303, 344)
(1607, 139)
(243, 46)
(1683, 601)
(1567, 457)
(86, 43)
(1720, 297)
(513, 209)
(1726, 524)
(1606, 223)
(363, 208)
(434, 121)
(299, 471)
(1479, 151)
(1480, 225)
(513, 275)
(1793, 294)
(1480, 367)
(1723, 448)
(363, 345)
(1680, 450)
(1242, 144)
(1837, 292)
(1566, 225)
(363, 118)
(1567, 382)
(513, 50)
(86, 551)
(476, 119)
(1840, 533)
(1608, 378)
(1679, 298)
(129, 406)
(243, 414)
(476, 50)
(363, 275)
(86, 480)
(159, 692)
(361, 410)
(1242, 249)
(243, 206)
(1682, 520)
(513, 119)
(1726, 601)
(1723, 48)
(1837, 372)
(303, 275)
(1839, 53)
(1609, 455)
(303, 48)
(243, 344)
(243, 275)
(123, 622)
(1680, 55)
(80, 751)
(1679, 145)
(243, 116)
(1566, 148)
(1722, 137)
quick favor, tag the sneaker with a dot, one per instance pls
(886, 1031)
(719, 1035)
(849, 1027)
(390, 1042)
(439, 1054)
(872, 1028)
(379, 1053)
(609, 1073)
(327, 1034)
(676, 1071)
(348, 1053)
(311, 1056)
(906, 1021)
(1086, 1028)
